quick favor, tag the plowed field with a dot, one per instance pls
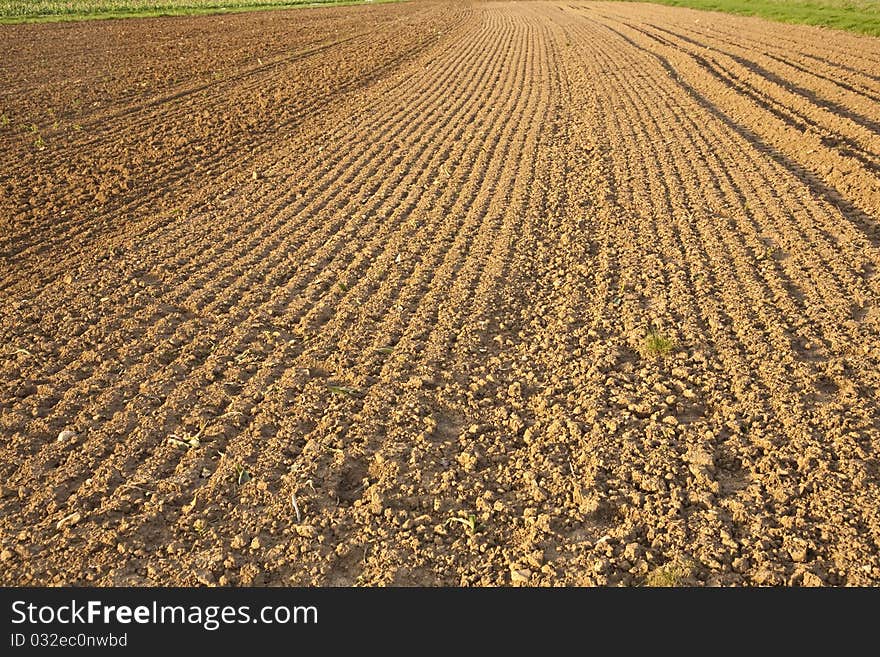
(440, 293)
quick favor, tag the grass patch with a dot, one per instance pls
(852, 15)
(666, 577)
(39, 11)
(657, 345)
(678, 572)
(346, 391)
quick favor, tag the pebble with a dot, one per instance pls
(6, 555)
(520, 575)
(66, 435)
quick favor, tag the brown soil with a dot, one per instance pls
(364, 296)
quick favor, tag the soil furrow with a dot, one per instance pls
(440, 293)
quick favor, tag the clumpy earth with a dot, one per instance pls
(440, 294)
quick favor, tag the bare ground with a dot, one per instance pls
(440, 293)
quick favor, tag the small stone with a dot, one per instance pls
(255, 544)
(474, 429)
(6, 555)
(66, 435)
(255, 175)
(514, 390)
(520, 575)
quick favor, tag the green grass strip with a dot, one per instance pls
(861, 16)
(44, 11)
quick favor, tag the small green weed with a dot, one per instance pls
(671, 575)
(658, 345)
(243, 476)
(470, 523)
(346, 391)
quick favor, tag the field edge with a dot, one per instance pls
(182, 11)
